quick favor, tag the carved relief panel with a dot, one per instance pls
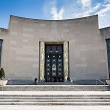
(66, 60)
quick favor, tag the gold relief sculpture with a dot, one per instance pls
(66, 67)
(65, 61)
(41, 78)
(65, 55)
(65, 77)
(42, 50)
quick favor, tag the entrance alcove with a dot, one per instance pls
(54, 61)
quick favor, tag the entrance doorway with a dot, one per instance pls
(54, 63)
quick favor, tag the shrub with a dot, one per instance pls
(2, 73)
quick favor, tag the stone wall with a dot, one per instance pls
(87, 47)
(105, 32)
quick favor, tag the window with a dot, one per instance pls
(0, 50)
(108, 54)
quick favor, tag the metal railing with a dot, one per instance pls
(98, 80)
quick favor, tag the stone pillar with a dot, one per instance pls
(42, 60)
(66, 60)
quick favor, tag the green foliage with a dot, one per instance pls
(2, 73)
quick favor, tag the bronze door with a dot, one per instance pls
(54, 63)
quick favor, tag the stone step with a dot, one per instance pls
(54, 100)
(55, 103)
(54, 107)
(47, 98)
(55, 97)
(55, 88)
(55, 93)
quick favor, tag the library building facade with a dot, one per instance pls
(54, 50)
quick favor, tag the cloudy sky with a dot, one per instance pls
(55, 10)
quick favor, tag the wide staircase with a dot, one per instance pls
(46, 97)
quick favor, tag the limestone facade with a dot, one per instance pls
(84, 47)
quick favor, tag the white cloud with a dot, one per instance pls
(107, 0)
(76, 9)
(86, 3)
(86, 11)
(91, 10)
(54, 13)
(51, 11)
(100, 8)
(104, 20)
(104, 16)
(98, 5)
(104, 10)
(53, 3)
(69, 9)
(57, 15)
(60, 14)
